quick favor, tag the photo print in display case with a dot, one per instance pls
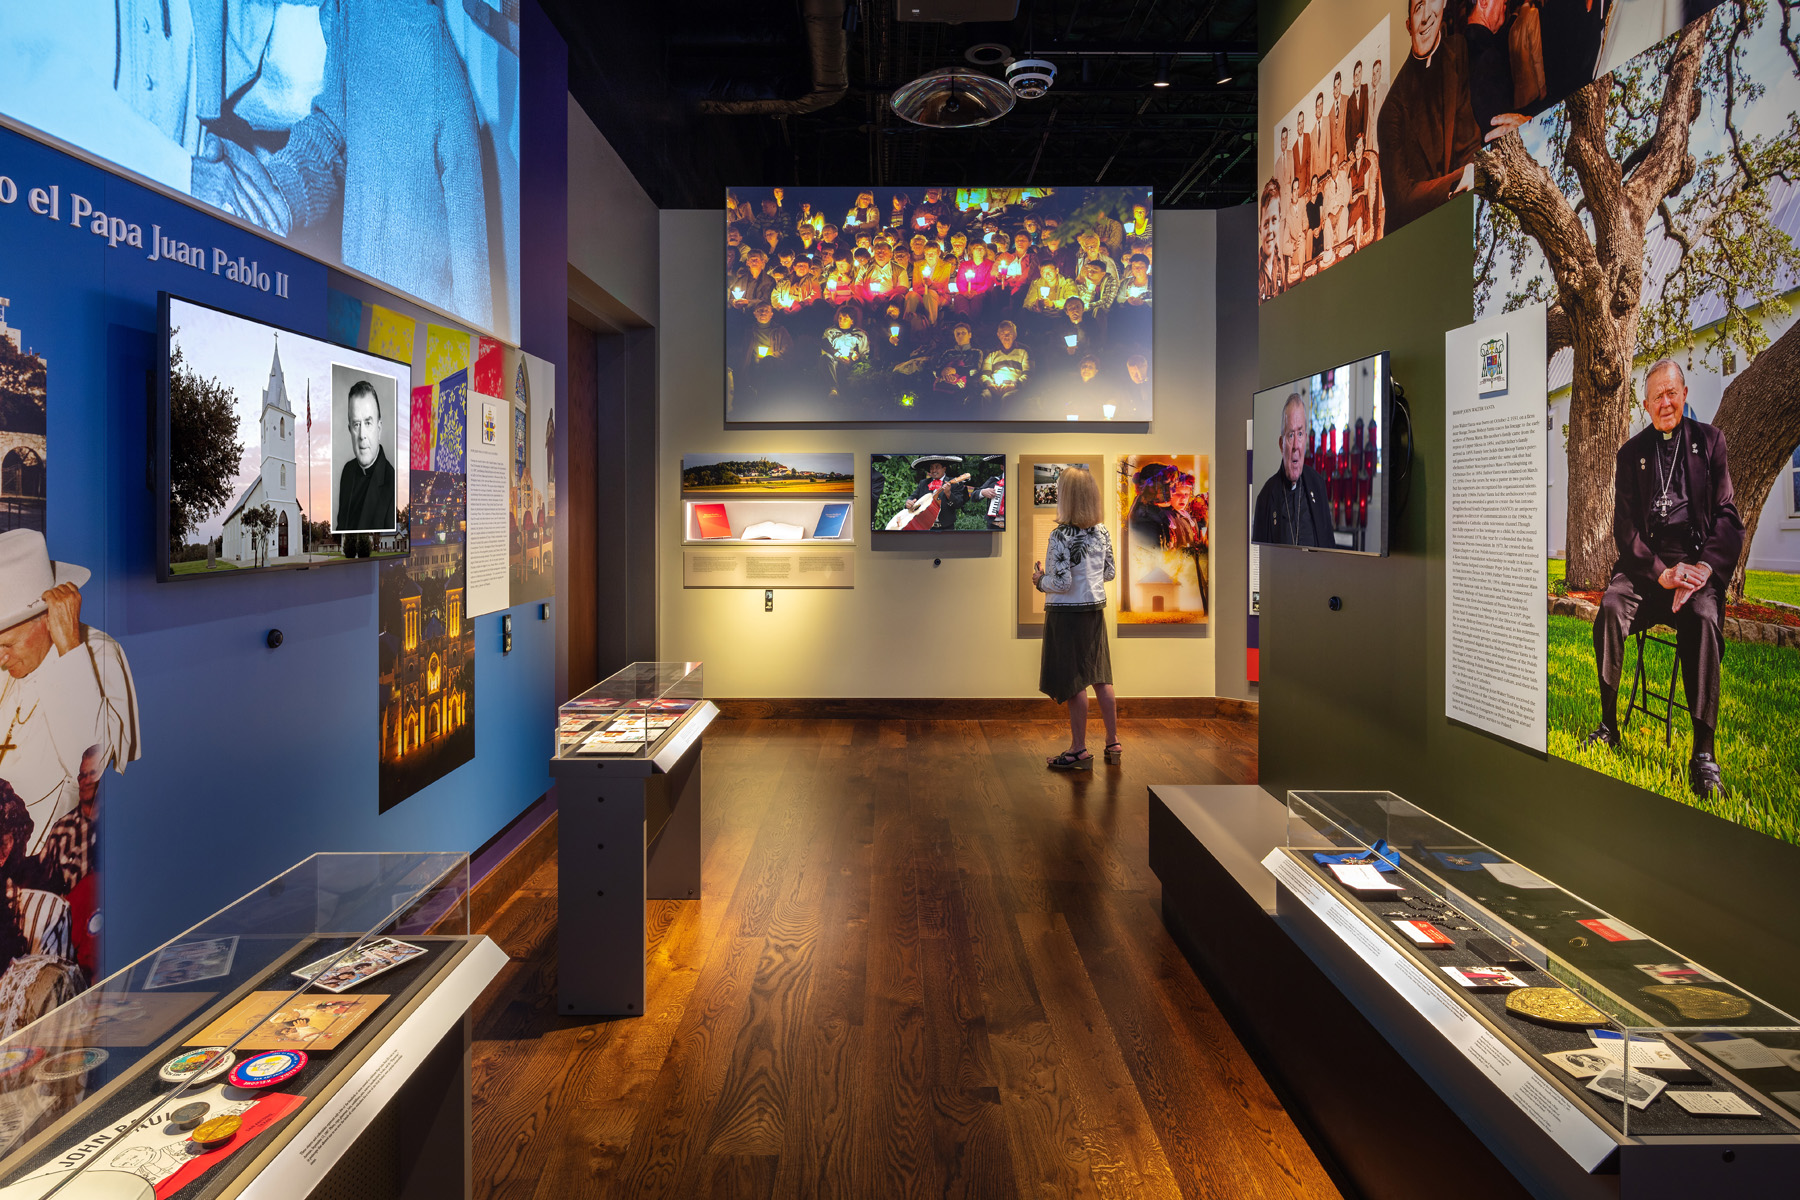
(1393, 128)
(1317, 462)
(1163, 544)
(292, 119)
(1037, 518)
(957, 493)
(278, 450)
(1673, 489)
(938, 304)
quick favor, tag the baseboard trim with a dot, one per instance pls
(489, 894)
(966, 708)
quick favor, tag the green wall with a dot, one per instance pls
(1355, 699)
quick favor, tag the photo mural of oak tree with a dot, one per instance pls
(1617, 164)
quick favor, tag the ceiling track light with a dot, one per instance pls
(1221, 68)
(1162, 72)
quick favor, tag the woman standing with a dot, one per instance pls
(1074, 587)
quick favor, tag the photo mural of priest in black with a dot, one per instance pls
(1707, 277)
(1676, 525)
(68, 708)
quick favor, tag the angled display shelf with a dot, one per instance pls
(253, 1053)
(1606, 1040)
(630, 711)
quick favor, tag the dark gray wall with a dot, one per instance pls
(1235, 371)
(1355, 699)
(625, 488)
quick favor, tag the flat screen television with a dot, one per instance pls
(900, 304)
(948, 493)
(1319, 460)
(276, 451)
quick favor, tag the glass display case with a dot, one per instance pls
(1645, 1038)
(177, 1073)
(631, 711)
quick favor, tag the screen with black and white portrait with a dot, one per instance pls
(365, 405)
(257, 445)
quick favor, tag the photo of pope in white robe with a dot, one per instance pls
(68, 708)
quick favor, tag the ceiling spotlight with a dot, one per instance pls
(1030, 78)
(1162, 72)
(952, 98)
(1221, 68)
(988, 54)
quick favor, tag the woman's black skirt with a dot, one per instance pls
(1075, 653)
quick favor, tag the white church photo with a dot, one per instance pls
(275, 485)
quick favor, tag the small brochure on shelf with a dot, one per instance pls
(831, 521)
(712, 520)
(1715, 1104)
(1361, 877)
(1485, 979)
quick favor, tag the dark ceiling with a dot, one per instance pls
(643, 72)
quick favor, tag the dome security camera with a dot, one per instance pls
(1030, 78)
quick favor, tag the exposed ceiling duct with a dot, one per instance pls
(827, 46)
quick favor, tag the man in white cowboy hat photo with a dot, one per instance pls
(66, 688)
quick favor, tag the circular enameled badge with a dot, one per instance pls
(198, 1065)
(267, 1069)
(66, 1064)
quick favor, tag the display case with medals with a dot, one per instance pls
(632, 711)
(1637, 1039)
(265, 1038)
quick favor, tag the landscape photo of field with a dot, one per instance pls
(768, 475)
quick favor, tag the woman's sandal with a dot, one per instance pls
(1073, 760)
(1115, 753)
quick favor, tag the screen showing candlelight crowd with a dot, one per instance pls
(938, 304)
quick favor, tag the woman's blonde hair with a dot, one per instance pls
(1078, 499)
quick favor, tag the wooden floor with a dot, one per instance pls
(922, 966)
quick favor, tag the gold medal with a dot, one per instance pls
(217, 1131)
(1699, 1003)
(1554, 1006)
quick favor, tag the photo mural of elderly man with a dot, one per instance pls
(1650, 214)
(68, 707)
(379, 134)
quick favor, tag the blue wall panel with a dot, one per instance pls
(253, 758)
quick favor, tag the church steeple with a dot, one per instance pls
(275, 395)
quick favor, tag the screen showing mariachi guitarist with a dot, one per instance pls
(963, 493)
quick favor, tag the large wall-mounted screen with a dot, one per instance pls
(277, 450)
(381, 136)
(938, 304)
